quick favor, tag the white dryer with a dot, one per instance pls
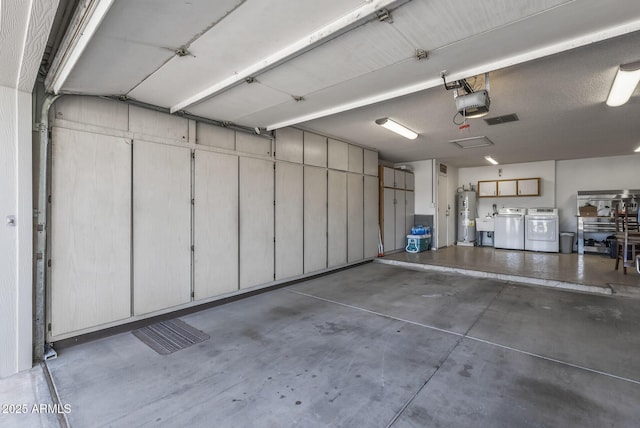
(541, 232)
(509, 228)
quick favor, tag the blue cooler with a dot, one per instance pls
(418, 243)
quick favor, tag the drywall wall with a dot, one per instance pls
(609, 173)
(545, 170)
(424, 196)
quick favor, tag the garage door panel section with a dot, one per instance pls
(355, 209)
(370, 216)
(215, 224)
(256, 222)
(337, 218)
(289, 220)
(161, 226)
(90, 230)
(315, 219)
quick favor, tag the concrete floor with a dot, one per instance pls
(374, 346)
(588, 273)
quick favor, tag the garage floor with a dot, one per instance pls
(374, 346)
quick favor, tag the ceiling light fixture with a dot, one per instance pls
(637, 150)
(491, 160)
(624, 84)
(385, 122)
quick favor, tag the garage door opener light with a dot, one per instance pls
(385, 122)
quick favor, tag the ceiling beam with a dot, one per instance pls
(324, 34)
(473, 71)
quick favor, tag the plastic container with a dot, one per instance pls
(566, 242)
(420, 230)
(418, 243)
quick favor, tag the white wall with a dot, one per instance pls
(453, 182)
(545, 170)
(610, 173)
(424, 196)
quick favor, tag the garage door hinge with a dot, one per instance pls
(193, 248)
(193, 201)
(274, 203)
(193, 155)
(49, 198)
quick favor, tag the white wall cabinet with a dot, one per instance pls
(215, 228)
(355, 217)
(256, 222)
(161, 226)
(289, 145)
(370, 159)
(507, 188)
(289, 220)
(528, 187)
(396, 207)
(91, 230)
(337, 218)
(487, 188)
(338, 157)
(356, 159)
(315, 149)
(370, 216)
(315, 219)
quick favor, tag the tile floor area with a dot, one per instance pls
(589, 273)
(374, 346)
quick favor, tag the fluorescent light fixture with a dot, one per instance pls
(491, 160)
(385, 122)
(472, 142)
(624, 84)
(87, 23)
(637, 150)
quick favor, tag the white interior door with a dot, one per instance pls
(90, 230)
(215, 224)
(161, 226)
(315, 219)
(400, 228)
(443, 211)
(289, 220)
(389, 210)
(256, 222)
(355, 217)
(337, 218)
(370, 216)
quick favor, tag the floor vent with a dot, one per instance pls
(502, 119)
(167, 337)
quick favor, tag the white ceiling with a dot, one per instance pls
(551, 62)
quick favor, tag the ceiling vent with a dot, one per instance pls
(502, 119)
(472, 142)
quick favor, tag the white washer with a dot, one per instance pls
(542, 230)
(509, 228)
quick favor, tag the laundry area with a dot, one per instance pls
(332, 214)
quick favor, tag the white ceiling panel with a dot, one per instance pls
(136, 38)
(370, 47)
(232, 104)
(254, 31)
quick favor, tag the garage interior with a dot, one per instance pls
(206, 221)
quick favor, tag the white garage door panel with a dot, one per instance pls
(289, 220)
(355, 204)
(315, 219)
(337, 220)
(256, 222)
(215, 224)
(91, 230)
(370, 216)
(161, 226)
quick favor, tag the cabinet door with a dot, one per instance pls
(400, 220)
(399, 179)
(409, 212)
(289, 145)
(90, 230)
(529, 187)
(215, 236)
(161, 226)
(355, 159)
(337, 218)
(370, 162)
(338, 154)
(355, 218)
(370, 216)
(315, 219)
(409, 181)
(507, 188)
(389, 229)
(315, 149)
(487, 188)
(389, 177)
(256, 222)
(289, 220)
